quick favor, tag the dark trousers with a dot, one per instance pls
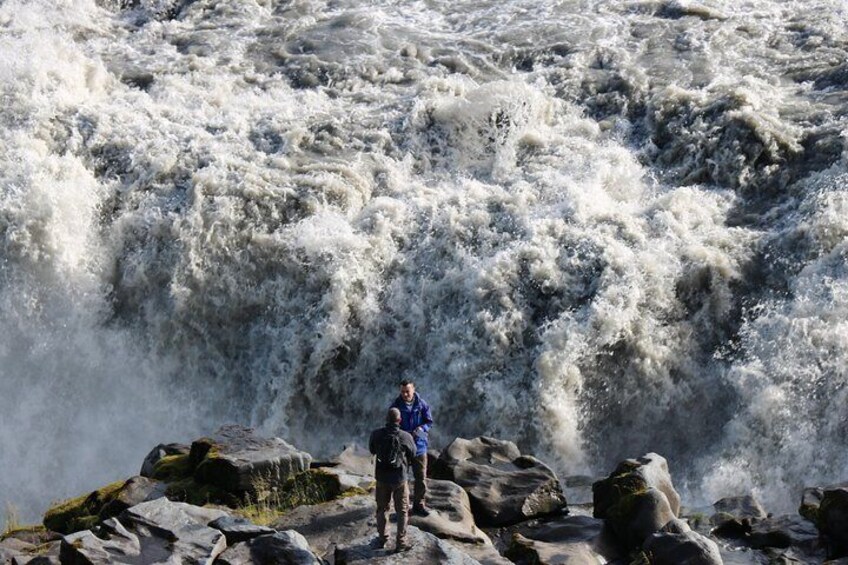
(419, 471)
(386, 492)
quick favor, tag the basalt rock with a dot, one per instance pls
(235, 459)
(683, 548)
(86, 511)
(637, 499)
(833, 520)
(182, 527)
(331, 523)
(734, 515)
(783, 532)
(280, 548)
(450, 516)
(567, 539)
(425, 549)
(238, 530)
(158, 453)
(504, 486)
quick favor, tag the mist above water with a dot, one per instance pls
(594, 228)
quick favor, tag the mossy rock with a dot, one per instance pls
(313, 486)
(80, 513)
(173, 468)
(199, 494)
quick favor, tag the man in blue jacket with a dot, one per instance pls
(416, 419)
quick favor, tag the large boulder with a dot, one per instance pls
(783, 532)
(159, 531)
(426, 549)
(182, 525)
(504, 486)
(279, 548)
(811, 500)
(450, 516)
(832, 520)
(734, 515)
(237, 460)
(681, 548)
(637, 499)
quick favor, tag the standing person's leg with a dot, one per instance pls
(419, 470)
(401, 495)
(383, 495)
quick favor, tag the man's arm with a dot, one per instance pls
(426, 417)
(409, 447)
(372, 447)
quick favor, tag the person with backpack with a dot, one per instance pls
(417, 420)
(394, 449)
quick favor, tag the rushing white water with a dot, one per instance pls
(596, 228)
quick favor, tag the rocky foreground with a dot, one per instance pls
(236, 498)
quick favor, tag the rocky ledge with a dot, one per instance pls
(235, 498)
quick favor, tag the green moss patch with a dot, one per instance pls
(173, 468)
(80, 513)
(267, 503)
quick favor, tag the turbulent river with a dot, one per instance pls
(597, 228)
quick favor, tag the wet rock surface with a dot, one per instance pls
(637, 499)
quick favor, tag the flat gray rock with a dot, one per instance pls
(504, 486)
(238, 530)
(356, 459)
(119, 545)
(332, 523)
(183, 525)
(450, 516)
(235, 459)
(426, 549)
(279, 548)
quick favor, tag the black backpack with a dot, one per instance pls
(390, 452)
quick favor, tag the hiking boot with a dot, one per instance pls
(380, 542)
(402, 546)
(420, 510)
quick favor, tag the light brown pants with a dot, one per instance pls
(400, 493)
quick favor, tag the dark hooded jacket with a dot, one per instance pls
(392, 475)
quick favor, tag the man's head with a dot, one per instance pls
(407, 390)
(393, 416)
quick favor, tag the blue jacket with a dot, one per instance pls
(416, 416)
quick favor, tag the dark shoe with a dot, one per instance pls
(379, 542)
(420, 510)
(401, 547)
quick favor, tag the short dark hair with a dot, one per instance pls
(393, 416)
(405, 382)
